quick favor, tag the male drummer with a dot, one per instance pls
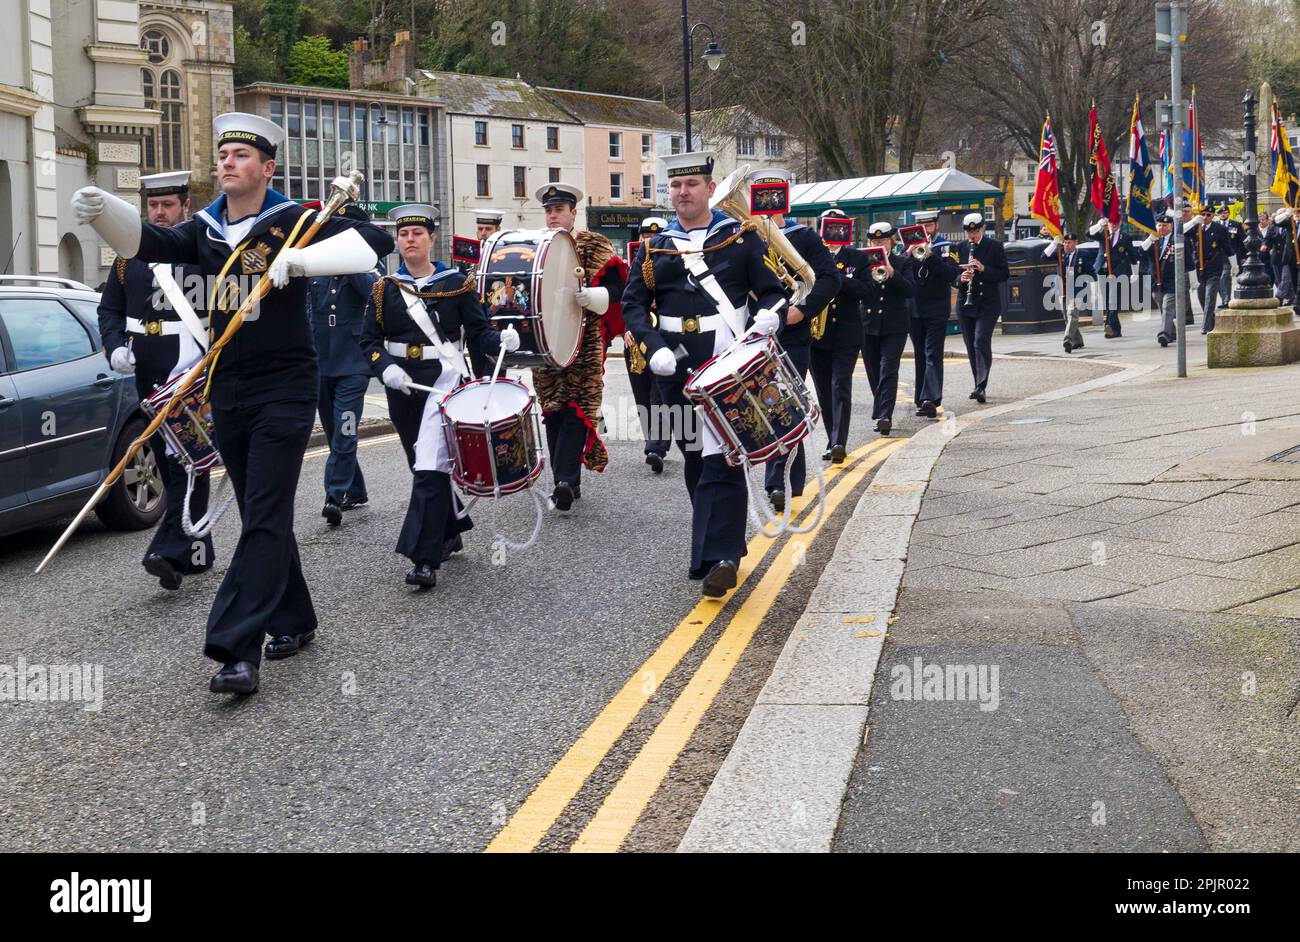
(416, 328)
(645, 388)
(264, 384)
(698, 274)
(141, 332)
(571, 397)
(795, 334)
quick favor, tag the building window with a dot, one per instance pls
(168, 148)
(676, 145)
(776, 147)
(647, 186)
(345, 121)
(744, 145)
(647, 146)
(517, 135)
(616, 186)
(156, 43)
(616, 145)
(552, 138)
(481, 171)
(309, 118)
(480, 133)
(521, 184)
(553, 175)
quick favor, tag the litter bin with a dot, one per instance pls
(1024, 293)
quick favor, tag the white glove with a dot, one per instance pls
(1051, 248)
(766, 322)
(1148, 242)
(595, 300)
(1095, 228)
(663, 363)
(347, 253)
(397, 379)
(288, 264)
(114, 219)
(510, 340)
(122, 360)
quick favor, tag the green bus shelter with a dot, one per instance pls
(894, 197)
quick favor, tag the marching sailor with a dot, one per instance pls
(264, 382)
(979, 300)
(935, 276)
(698, 275)
(412, 333)
(645, 388)
(837, 334)
(571, 397)
(886, 315)
(794, 334)
(141, 331)
(487, 223)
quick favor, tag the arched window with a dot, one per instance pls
(164, 90)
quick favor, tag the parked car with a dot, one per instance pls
(65, 417)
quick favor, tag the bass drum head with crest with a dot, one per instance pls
(527, 280)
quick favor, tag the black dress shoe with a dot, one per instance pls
(720, 579)
(838, 454)
(423, 576)
(778, 500)
(883, 426)
(980, 397)
(656, 462)
(352, 503)
(928, 409)
(974, 394)
(239, 677)
(1162, 339)
(332, 513)
(454, 545)
(562, 496)
(161, 567)
(282, 646)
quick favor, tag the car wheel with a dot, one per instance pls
(136, 499)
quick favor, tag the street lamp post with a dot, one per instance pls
(713, 56)
(1171, 26)
(1252, 280)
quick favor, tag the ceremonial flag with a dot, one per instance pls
(1138, 206)
(1166, 171)
(1193, 159)
(1101, 184)
(1046, 202)
(1285, 182)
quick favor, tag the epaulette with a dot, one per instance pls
(119, 268)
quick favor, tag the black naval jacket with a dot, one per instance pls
(1160, 257)
(739, 270)
(391, 321)
(272, 358)
(1281, 247)
(1217, 242)
(808, 244)
(885, 308)
(844, 317)
(131, 292)
(987, 295)
(1122, 255)
(934, 277)
(1074, 272)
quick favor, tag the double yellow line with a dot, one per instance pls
(624, 805)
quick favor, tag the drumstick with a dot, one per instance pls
(496, 371)
(427, 389)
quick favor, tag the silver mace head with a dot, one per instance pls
(343, 190)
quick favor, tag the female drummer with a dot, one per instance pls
(412, 336)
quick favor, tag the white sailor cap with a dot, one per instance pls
(414, 214)
(166, 184)
(925, 215)
(653, 224)
(834, 213)
(880, 230)
(488, 217)
(972, 220)
(689, 164)
(551, 193)
(768, 175)
(237, 127)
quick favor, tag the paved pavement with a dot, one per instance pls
(1127, 561)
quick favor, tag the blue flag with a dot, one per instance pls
(1140, 180)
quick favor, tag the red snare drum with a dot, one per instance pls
(496, 452)
(753, 400)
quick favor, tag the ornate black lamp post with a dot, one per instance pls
(1252, 281)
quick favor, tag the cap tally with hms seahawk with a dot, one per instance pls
(414, 214)
(173, 182)
(698, 162)
(237, 127)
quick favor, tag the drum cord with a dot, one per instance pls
(537, 524)
(784, 523)
(209, 520)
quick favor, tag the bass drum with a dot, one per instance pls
(527, 278)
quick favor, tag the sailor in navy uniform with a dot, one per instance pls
(935, 276)
(645, 387)
(337, 306)
(698, 296)
(1072, 274)
(886, 316)
(265, 381)
(142, 334)
(837, 335)
(414, 323)
(487, 223)
(795, 333)
(979, 299)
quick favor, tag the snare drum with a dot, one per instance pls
(188, 426)
(496, 452)
(753, 400)
(528, 277)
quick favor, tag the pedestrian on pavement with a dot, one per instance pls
(337, 306)
(837, 335)
(886, 320)
(979, 297)
(935, 276)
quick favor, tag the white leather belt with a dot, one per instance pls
(157, 328)
(410, 351)
(689, 325)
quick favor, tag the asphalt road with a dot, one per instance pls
(415, 722)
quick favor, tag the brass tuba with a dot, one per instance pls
(732, 197)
